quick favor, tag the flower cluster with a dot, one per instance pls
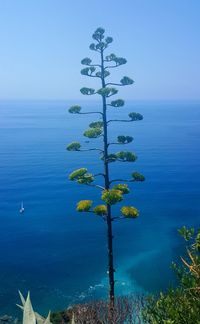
(129, 212)
(112, 196)
(84, 205)
(122, 187)
(100, 210)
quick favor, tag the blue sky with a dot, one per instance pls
(43, 41)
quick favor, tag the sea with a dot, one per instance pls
(60, 255)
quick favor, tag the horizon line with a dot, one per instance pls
(65, 99)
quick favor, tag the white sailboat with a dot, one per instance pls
(22, 208)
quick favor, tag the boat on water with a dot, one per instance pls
(22, 208)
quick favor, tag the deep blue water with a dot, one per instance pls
(59, 254)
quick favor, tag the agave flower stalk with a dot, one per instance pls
(110, 194)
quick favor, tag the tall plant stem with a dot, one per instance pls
(107, 185)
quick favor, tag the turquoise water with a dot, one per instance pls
(60, 255)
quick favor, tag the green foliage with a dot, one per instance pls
(81, 176)
(186, 233)
(138, 176)
(135, 116)
(126, 81)
(84, 205)
(120, 61)
(74, 146)
(109, 40)
(112, 196)
(129, 212)
(88, 71)
(101, 45)
(99, 34)
(93, 132)
(87, 91)
(86, 179)
(86, 61)
(124, 156)
(100, 210)
(113, 58)
(75, 109)
(179, 305)
(121, 157)
(122, 187)
(105, 74)
(197, 241)
(111, 158)
(97, 124)
(107, 92)
(79, 173)
(92, 47)
(61, 317)
(124, 139)
(117, 103)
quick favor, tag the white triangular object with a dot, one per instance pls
(22, 298)
(73, 319)
(28, 315)
(47, 320)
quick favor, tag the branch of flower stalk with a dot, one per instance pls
(92, 149)
(120, 120)
(115, 84)
(116, 143)
(124, 180)
(92, 76)
(88, 113)
(91, 211)
(111, 66)
(94, 65)
(117, 217)
(93, 185)
(99, 174)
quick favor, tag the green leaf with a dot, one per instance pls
(92, 47)
(112, 196)
(88, 71)
(84, 205)
(100, 210)
(93, 132)
(135, 116)
(124, 139)
(86, 61)
(110, 57)
(74, 146)
(120, 61)
(107, 92)
(87, 178)
(76, 174)
(97, 124)
(87, 91)
(129, 212)
(74, 109)
(122, 187)
(81, 176)
(125, 156)
(104, 74)
(117, 103)
(111, 157)
(109, 40)
(126, 80)
(186, 233)
(101, 45)
(98, 34)
(138, 176)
